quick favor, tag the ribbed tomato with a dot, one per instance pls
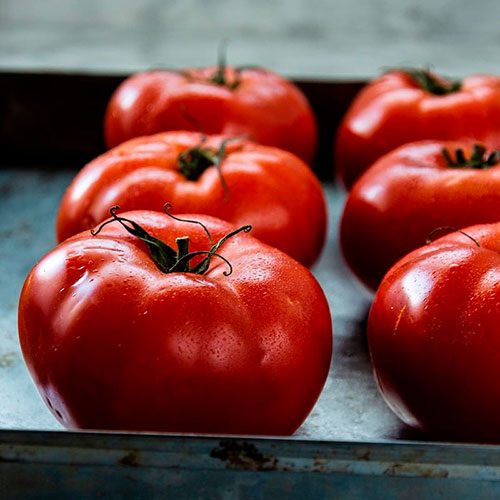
(216, 100)
(168, 325)
(236, 180)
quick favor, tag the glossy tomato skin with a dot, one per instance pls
(393, 110)
(406, 194)
(270, 189)
(434, 336)
(113, 343)
(264, 106)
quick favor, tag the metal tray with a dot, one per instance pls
(350, 445)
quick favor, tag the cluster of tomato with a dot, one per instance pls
(418, 154)
(167, 316)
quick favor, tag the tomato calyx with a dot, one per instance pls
(478, 159)
(193, 162)
(450, 228)
(165, 257)
(428, 82)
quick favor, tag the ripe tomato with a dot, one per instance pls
(405, 106)
(235, 180)
(216, 100)
(117, 340)
(395, 204)
(434, 336)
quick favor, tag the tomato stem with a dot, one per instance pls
(165, 257)
(182, 251)
(449, 228)
(428, 82)
(219, 77)
(193, 162)
(479, 159)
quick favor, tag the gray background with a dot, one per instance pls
(339, 39)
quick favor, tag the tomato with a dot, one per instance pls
(405, 106)
(434, 336)
(406, 194)
(235, 180)
(215, 100)
(116, 340)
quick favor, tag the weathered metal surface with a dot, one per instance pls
(55, 465)
(349, 408)
(340, 449)
(351, 444)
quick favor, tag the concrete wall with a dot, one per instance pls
(317, 38)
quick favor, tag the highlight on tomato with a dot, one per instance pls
(407, 105)
(158, 322)
(407, 193)
(228, 100)
(434, 336)
(230, 178)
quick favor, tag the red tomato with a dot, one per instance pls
(271, 189)
(394, 205)
(434, 336)
(252, 101)
(113, 342)
(406, 106)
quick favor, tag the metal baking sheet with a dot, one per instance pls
(350, 446)
(349, 407)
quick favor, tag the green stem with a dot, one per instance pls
(166, 258)
(450, 228)
(478, 159)
(219, 77)
(193, 162)
(182, 251)
(428, 82)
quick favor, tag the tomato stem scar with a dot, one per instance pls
(165, 257)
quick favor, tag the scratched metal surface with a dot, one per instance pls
(113, 466)
(349, 407)
(351, 446)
